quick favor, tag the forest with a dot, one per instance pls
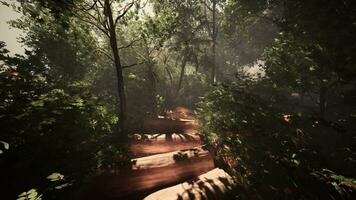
(229, 99)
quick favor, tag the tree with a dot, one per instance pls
(45, 122)
(288, 134)
(184, 24)
(216, 8)
(306, 53)
(100, 14)
(48, 108)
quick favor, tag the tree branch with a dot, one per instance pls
(124, 11)
(206, 5)
(84, 14)
(207, 22)
(130, 44)
(127, 66)
(82, 18)
(92, 6)
(101, 3)
(106, 54)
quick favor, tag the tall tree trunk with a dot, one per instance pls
(168, 90)
(152, 79)
(214, 35)
(169, 75)
(153, 91)
(181, 77)
(120, 78)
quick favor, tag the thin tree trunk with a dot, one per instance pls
(170, 75)
(214, 34)
(181, 77)
(120, 79)
(168, 90)
(153, 91)
(196, 63)
(152, 79)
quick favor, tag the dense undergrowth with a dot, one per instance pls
(275, 148)
(66, 132)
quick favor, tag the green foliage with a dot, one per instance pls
(285, 135)
(69, 49)
(290, 63)
(6, 146)
(55, 129)
(55, 177)
(340, 185)
(330, 25)
(273, 148)
(49, 114)
(289, 134)
(59, 183)
(32, 194)
(249, 27)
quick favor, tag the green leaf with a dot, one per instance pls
(55, 177)
(6, 145)
(32, 194)
(58, 187)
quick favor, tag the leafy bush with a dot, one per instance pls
(67, 130)
(274, 149)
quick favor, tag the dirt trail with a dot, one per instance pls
(170, 152)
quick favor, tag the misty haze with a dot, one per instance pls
(177, 99)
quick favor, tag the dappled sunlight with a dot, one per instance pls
(160, 161)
